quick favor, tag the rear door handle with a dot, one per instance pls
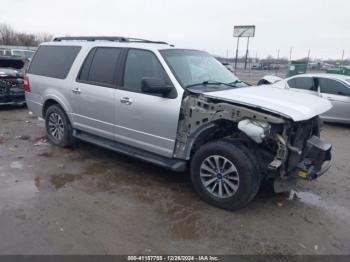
(125, 100)
(76, 90)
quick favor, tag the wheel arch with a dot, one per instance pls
(208, 133)
(52, 100)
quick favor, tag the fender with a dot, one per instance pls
(184, 151)
(52, 94)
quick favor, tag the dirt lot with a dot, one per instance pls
(89, 200)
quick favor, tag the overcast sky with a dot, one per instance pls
(319, 25)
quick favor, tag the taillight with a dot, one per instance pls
(26, 83)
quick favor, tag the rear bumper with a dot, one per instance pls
(12, 99)
(316, 161)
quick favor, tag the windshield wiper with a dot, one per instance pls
(236, 82)
(212, 82)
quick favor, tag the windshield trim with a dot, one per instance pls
(163, 51)
(224, 86)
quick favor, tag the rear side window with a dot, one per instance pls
(53, 61)
(100, 66)
(305, 83)
(333, 87)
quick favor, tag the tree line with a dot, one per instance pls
(9, 36)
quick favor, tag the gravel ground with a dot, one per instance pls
(88, 200)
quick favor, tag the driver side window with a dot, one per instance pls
(140, 64)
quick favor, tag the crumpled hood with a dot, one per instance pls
(294, 105)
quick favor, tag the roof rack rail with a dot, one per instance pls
(106, 38)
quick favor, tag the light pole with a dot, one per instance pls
(243, 31)
(246, 54)
(278, 61)
(237, 53)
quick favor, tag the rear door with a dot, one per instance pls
(339, 95)
(93, 92)
(303, 84)
(145, 121)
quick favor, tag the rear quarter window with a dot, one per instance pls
(53, 61)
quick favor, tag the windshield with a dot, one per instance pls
(199, 71)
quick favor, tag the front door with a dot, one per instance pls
(145, 121)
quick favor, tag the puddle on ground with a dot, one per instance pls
(311, 199)
(59, 181)
(184, 219)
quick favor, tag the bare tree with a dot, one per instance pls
(8, 36)
(25, 39)
(43, 37)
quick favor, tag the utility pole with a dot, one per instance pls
(278, 61)
(308, 58)
(246, 55)
(290, 54)
(342, 57)
(237, 53)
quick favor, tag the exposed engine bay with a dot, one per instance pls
(281, 147)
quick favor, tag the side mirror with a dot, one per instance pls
(155, 85)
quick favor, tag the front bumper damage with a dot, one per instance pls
(317, 160)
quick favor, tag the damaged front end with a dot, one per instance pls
(11, 81)
(283, 149)
(302, 154)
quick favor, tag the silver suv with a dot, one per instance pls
(179, 109)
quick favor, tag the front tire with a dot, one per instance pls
(224, 175)
(58, 127)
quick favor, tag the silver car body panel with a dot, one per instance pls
(149, 122)
(340, 111)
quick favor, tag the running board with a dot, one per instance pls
(172, 164)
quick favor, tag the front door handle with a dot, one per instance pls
(125, 100)
(76, 90)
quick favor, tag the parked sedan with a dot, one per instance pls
(335, 88)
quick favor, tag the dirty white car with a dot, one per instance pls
(335, 88)
(179, 109)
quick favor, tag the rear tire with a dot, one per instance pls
(223, 162)
(58, 127)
